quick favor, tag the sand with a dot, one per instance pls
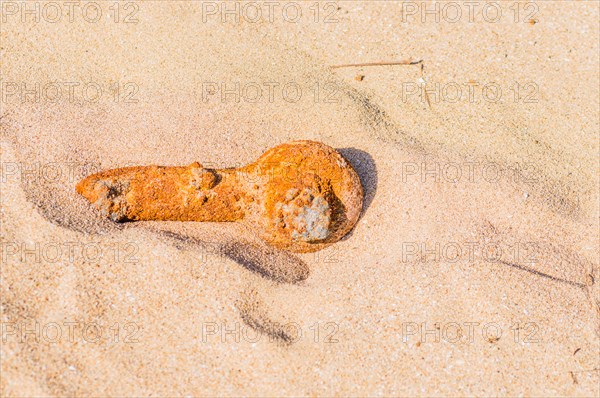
(473, 270)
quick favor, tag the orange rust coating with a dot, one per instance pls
(170, 193)
(300, 196)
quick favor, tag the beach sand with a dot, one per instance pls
(473, 270)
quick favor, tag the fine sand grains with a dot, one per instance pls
(194, 309)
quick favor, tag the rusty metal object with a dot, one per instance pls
(300, 196)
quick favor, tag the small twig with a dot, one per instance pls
(425, 85)
(383, 63)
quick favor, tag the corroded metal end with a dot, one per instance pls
(108, 195)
